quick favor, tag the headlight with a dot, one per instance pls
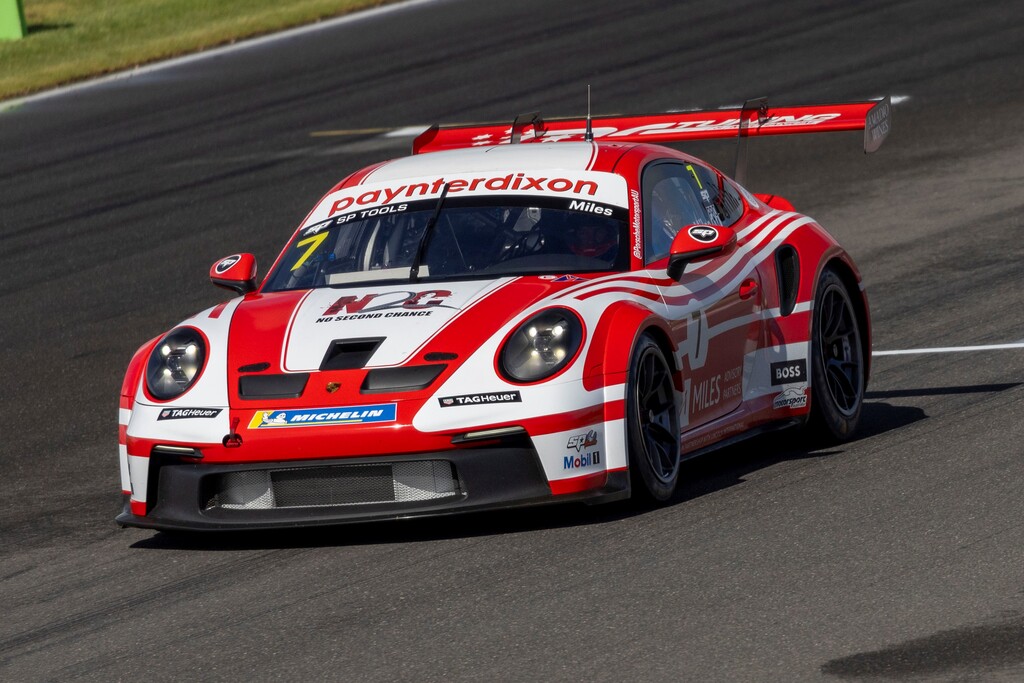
(175, 363)
(541, 346)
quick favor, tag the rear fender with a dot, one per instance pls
(776, 202)
(839, 261)
(818, 248)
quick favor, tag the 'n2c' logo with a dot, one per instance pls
(369, 303)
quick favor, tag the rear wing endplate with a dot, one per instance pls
(873, 117)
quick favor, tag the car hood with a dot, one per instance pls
(295, 331)
(345, 332)
(410, 346)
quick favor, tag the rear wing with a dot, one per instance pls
(873, 117)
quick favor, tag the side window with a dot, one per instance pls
(733, 203)
(678, 194)
(671, 200)
(721, 201)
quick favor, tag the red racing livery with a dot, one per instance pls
(524, 314)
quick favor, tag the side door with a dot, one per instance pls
(716, 305)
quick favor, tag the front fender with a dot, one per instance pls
(133, 375)
(607, 361)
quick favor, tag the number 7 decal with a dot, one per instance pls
(314, 242)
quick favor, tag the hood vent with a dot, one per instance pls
(350, 354)
(409, 378)
(272, 386)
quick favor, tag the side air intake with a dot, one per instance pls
(410, 378)
(290, 385)
(787, 269)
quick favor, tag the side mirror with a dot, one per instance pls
(236, 272)
(698, 241)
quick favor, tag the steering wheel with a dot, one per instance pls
(528, 243)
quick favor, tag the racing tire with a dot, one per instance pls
(652, 424)
(837, 362)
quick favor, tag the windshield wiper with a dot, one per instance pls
(414, 270)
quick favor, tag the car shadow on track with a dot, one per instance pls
(943, 391)
(974, 651)
(714, 472)
(728, 467)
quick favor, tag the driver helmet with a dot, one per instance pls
(666, 220)
(592, 240)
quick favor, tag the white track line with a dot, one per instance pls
(950, 349)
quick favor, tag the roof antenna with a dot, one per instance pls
(589, 135)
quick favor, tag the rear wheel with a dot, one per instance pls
(652, 423)
(837, 362)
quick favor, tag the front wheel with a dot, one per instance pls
(652, 423)
(837, 362)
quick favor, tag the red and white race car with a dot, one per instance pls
(534, 313)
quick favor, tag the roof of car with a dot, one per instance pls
(574, 156)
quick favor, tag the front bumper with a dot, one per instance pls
(189, 495)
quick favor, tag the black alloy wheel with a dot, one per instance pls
(837, 361)
(652, 423)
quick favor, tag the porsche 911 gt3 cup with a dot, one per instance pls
(536, 313)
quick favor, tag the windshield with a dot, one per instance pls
(473, 237)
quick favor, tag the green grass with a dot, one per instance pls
(70, 40)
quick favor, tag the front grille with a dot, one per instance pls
(399, 482)
(408, 378)
(272, 386)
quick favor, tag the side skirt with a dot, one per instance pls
(737, 438)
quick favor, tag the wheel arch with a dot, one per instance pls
(133, 375)
(661, 338)
(842, 266)
(608, 358)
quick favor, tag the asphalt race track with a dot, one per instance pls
(899, 556)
